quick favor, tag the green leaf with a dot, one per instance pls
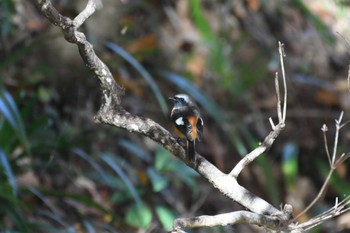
(112, 163)
(165, 216)
(158, 182)
(290, 164)
(10, 111)
(162, 158)
(139, 216)
(144, 73)
(95, 165)
(8, 171)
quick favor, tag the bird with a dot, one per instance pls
(186, 117)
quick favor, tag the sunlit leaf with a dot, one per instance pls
(159, 182)
(166, 217)
(8, 171)
(139, 215)
(144, 73)
(200, 21)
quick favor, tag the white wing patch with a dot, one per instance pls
(201, 121)
(180, 121)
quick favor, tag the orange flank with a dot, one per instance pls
(193, 121)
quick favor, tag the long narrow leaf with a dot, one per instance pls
(112, 163)
(8, 171)
(133, 148)
(10, 111)
(147, 76)
(94, 164)
(89, 227)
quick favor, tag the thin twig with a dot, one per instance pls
(282, 55)
(334, 162)
(336, 138)
(276, 130)
(324, 131)
(320, 193)
(278, 96)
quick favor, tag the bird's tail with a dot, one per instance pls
(191, 150)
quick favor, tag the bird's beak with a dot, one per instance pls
(172, 99)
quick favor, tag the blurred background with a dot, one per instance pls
(61, 172)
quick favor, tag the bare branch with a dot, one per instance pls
(282, 55)
(276, 130)
(336, 138)
(349, 78)
(278, 96)
(334, 162)
(237, 217)
(89, 10)
(336, 210)
(324, 130)
(257, 151)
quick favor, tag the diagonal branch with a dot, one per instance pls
(111, 112)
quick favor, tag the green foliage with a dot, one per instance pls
(9, 111)
(139, 215)
(166, 216)
(290, 164)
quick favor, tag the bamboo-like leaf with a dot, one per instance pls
(143, 72)
(112, 163)
(9, 110)
(8, 171)
(94, 164)
(89, 227)
(133, 148)
(83, 199)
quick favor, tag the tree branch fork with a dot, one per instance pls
(259, 212)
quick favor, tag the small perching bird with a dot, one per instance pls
(188, 122)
